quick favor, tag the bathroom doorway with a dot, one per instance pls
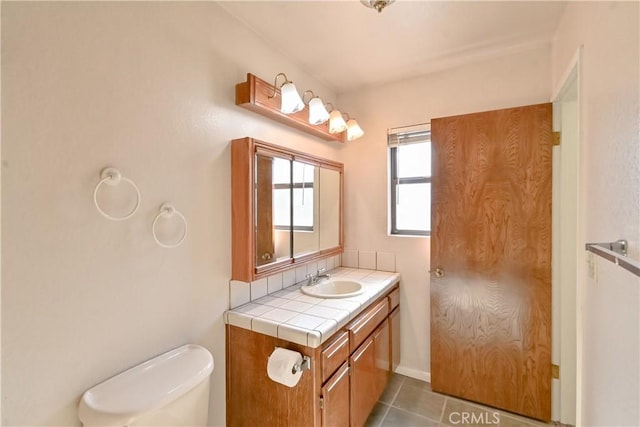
(568, 244)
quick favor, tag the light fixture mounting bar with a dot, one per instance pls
(254, 95)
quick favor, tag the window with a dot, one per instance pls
(410, 181)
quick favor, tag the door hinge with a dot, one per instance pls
(555, 371)
(321, 403)
(555, 138)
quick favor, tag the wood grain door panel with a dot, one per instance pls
(491, 236)
(363, 382)
(335, 395)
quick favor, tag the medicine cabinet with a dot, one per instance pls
(286, 206)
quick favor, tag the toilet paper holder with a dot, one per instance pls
(304, 366)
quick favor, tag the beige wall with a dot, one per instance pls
(147, 88)
(609, 338)
(510, 81)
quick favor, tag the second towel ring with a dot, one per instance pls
(112, 176)
(168, 210)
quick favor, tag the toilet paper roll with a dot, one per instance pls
(280, 366)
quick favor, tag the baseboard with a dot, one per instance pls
(414, 373)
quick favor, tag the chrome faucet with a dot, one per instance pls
(313, 279)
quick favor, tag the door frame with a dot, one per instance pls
(568, 255)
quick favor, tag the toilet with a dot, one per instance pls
(171, 389)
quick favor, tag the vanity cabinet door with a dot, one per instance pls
(394, 330)
(335, 399)
(369, 373)
(382, 346)
(363, 382)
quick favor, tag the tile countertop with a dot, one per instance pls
(293, 316)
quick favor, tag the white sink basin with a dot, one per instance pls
(333, 289)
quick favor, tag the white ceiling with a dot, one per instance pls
(346, 45)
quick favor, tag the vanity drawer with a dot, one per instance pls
(394, 299)
(334, 355)
(366, 323)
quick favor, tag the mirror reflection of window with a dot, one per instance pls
(305, 209)
(302, 188)
(282, 193)
(303, 196)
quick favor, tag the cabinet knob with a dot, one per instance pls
(267, 256)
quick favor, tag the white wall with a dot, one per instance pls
(148, 88)
(609, 347)
(520, 79)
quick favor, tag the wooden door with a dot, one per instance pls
(335, 399)
(491, 258)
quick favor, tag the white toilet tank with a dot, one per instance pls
(169, 390)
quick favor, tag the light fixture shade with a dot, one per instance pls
(354, 131)
(317, 113)
(291, 101)
(336, 122)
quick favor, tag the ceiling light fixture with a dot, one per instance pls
(291, 101)
(318, 114)
(377, 4)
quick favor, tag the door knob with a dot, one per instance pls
(438, 272)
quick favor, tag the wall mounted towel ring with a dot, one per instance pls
(112, 176)
(167, 210)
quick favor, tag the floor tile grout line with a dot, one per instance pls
(444, 406)
(406, 411)
(384, 416)
(391, 404)
(403, 379)
(397, 391)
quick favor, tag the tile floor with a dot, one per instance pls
(407, 402)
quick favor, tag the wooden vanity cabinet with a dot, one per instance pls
(348, 374)
(369, 373)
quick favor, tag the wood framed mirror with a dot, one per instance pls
(287, 208)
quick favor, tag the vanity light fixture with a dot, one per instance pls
(354, 131)
(377, 4)
(318, 114)
(336, 121)
(291, 101)
(254, 95)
